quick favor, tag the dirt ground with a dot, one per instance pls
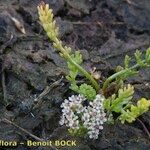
(104, 31)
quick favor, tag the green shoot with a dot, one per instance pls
(87, 90)
(129, 71)
(116, 103)
(84, 118)
(49, 25)
(131, 114)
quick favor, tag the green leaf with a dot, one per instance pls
(107, 104)
(131, 114)
(127, 116)
(147, 56)
(77, 57)
(73, 71)
(88, 91)
(124, 73)
(74, 87)
(84, 89)
(119, 68)
(81, 132)
(127, 61)
(124, 97)
(143, 105)
(138, 58)
(110, 119)
(128, 73)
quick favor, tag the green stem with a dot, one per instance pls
(81, 69)
(106, 83)
(85, 73)
(52, 32)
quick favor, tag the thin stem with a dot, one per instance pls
(85, 73)
(112, 77)
(81, 69)
(144, 127)
(48, 23)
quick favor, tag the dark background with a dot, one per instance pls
(104, 31)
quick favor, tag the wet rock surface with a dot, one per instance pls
(104, 31)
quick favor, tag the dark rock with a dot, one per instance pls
(56, 5)
(65, 27)
(31, 64)
(25, 106)
(49, 116)
(28, 122)
(120, 136)
(28, 10)
(26, 71)
(81, 145)
(83, 6)
(135, 13)
(142, 89)
(3, 29)
(14, 84)
(74, 12)
(85, 54)
(31, 6)
(7, 132)
(114, 50)
(26, 15)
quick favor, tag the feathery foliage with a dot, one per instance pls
(127, 71)
(119, 102)
(116, 103)
(131, 114)
(49, 25)
(87, 90)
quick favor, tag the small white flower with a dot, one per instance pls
(92, 117)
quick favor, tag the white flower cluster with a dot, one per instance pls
(91, 117)
(71, 109)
